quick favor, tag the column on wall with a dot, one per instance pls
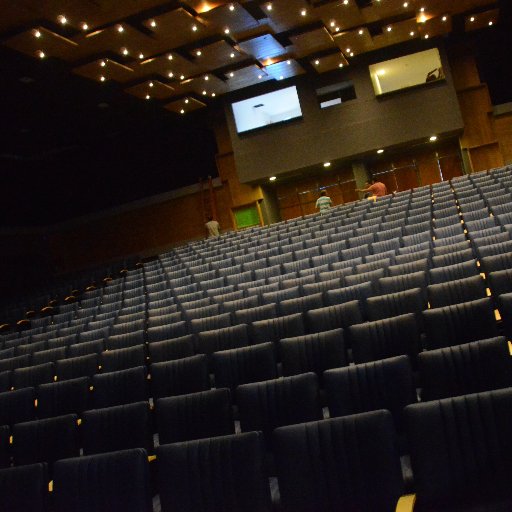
(479, 141)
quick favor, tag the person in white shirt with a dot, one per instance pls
(212, 228)
(324, 202)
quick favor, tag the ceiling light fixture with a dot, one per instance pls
(141, 55)
(41, 54)
(491, 23)
(194, 28)
(232, 55)
(411, 33)
(272, 178)
(260, 77)
(433, 138)
(444, 18)
(380, 151)
(37, 34)
(204, 93)
(182, 77)
(317, 62)
(153, 23)
(151, 84)
(303, 12)
(148, 96)
(269, 7)
(102, 78)
(327, 164)
(84, 26)
(199, 53)
(472, 19)
(206, 77)
(182, 111)
(213, 95)
(348, 50)
(103, 63)
(406, 4)
(62, 19)
(169, 57)
(170, 74)
(226, 31)
(345, 2)
(389, 29)
(231, 74)
(120, 28)
(124, 51)
(231, 7)
(186, 100)
(361, 32)
(340, 65)
(426, 36)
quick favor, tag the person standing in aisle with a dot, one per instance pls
(324, 202)
(212, 228)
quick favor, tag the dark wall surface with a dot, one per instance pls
(350, 129)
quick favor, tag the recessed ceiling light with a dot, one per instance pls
(37, 33)
(317, 62)
(124, 51)
(84, 26)
(288, 62)
(148, 96)
(226, 31)
(182, 77)
(231, 7)
(381, 72)
(351, 54)
(182, 111)
(444, 18)
(153, 23)
(433, 138)
(411, 33)
(204, 93)
(186, 101)
(169, 57)
(170, 74)
(406, 4)
(62, 19)
(141, 55)
(389, 29)
(260, 77)
(333, 23)
(213, 95)
(327, 164)
(103, 63)
(380, 151)
(345, 2)
(348, 50)
(41, 54)
(102, 78)
(422, 9)
(151, 84)
(194, 28)
(281, 77)
(269, 7)
(340, 65)
(491, 23)
(337, 29)
(272, 178)
(472, 19)
(231, 74)
(303, 12)
(206, 77)
(199, 53)
(232, 55)
(120, 28)
(426, 36)
(361, 31)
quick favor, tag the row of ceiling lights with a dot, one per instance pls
(432, 138)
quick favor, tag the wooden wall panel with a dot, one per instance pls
(476, 108)
(486, 157)
(503, 129)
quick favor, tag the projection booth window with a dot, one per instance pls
(335, 94)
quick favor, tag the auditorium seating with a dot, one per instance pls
(351, 310)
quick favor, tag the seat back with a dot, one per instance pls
(348, 463)
(24, 488)
(63, 397)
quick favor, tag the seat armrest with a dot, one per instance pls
(406, 503)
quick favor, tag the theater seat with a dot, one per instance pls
(24, 488)
(63, 397)
(461, 452)
(212, 475)
(348, 463)
(194, 416)
(467, 368)
(118, 388)
(101, 483)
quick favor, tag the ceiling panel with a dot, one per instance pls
(284, 69)
(263, 47)
(481, 20)
(40, 42)
(229, 19)
(184, 105)
(312, 42)
(171, 65)
(104, 70)
(216, 55)
(287, 15)
(329, 62)
(152, 89)
(245, 77)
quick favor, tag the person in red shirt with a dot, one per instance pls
(376, 188)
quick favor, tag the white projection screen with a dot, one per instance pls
(267, 109)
